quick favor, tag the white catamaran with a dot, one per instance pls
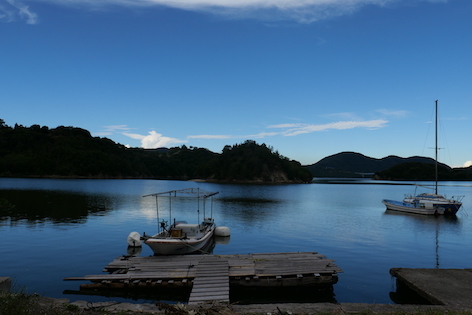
(427, 203)
(180, 237)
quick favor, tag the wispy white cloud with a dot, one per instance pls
(6, 14)
(293, 129)
(296, 129)
(467, 164)
(263, 135)
(112, 129)
(135, 136)
(342, 116)
(154, 140)
(303, 11)
(252, 136)
(11, 9)
(393, 113)
(210, 137)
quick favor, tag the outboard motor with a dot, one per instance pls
(134, 239)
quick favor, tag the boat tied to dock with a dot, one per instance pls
(180, 237)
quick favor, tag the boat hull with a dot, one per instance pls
(179, 246)
(422, 208)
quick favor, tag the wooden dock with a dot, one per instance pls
(211, 276)
(211, 281)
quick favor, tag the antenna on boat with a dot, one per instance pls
(436, 151)
(198, 205)
(211, 208)
(157, 210)
(204, 208)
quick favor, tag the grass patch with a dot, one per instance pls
(27, 304)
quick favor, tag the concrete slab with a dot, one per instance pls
(262, 309)
(363, 308)
(451, 287)
(5, 284)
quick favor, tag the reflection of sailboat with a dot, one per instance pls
(403, 293)
(427, 203)
(426, 224)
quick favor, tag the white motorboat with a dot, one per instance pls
(427, 203)
(180, 237)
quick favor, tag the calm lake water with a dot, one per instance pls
(63, 228)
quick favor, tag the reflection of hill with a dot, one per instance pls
(38, 206)
(250, 211)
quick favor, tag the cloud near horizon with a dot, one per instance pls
(154, 140)
(302, 11)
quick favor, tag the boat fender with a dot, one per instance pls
(134, 239)
(222, 231)
(222, 240)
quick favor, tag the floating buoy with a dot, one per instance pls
(134, 239)
(222, 231)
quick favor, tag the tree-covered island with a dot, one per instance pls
(70, 152)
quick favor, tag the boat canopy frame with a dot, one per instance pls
(196, 193)
(186, 192)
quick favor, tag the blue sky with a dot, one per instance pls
(310, 78)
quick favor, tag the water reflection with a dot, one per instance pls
(39, 206)
(245, 201)
(250, 211)
(431, 227)
(207, 249)
(344, 221)
(426, 221)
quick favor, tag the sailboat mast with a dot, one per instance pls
(436, 150)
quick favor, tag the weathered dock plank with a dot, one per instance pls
(208, 285)
(210, 276)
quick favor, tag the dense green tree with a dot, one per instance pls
(250, 161)
(72, 152)
(416, 171)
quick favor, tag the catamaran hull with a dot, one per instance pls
(168, 246)
(446, 209)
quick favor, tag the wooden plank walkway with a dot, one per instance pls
(210, 275)
(211, 282)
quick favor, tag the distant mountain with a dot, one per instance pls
(352, 164)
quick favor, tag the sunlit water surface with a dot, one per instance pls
(65, 228)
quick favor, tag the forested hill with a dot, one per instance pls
(39, 151)
(352, 164)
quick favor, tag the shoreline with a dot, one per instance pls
(262, 309)
(233, 309)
